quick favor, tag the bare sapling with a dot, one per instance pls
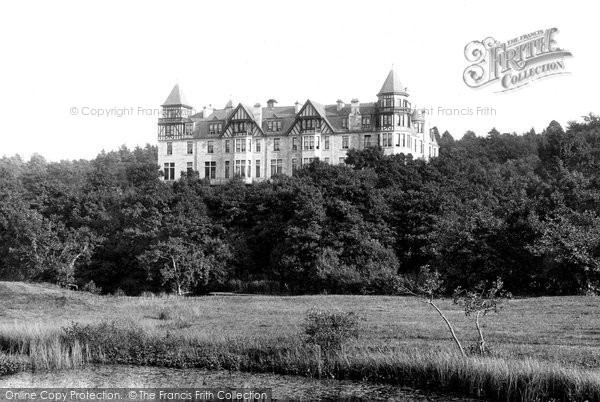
(428, 286)
(478, 303)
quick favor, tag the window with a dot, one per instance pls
(345, 123)
(310, 125)
(294, 165)
(257, 146)
(326, 141)
(403, 140)
(249, 168)
(227, 146)
(257, 168)
(422, 148)
(169, 171)
(240, 168)
(342, 160)
(210, 170)
(402, 120)
(345, 142)
(274, 125)
(387, 139)
(249, 145)
(215, 128)
(275, 144)
(326, 160)
(239, 127)
(366, 121)
(367, 141)
(276, 166)
(210, 147)
(190, 167)
(309, 142)
(388, 101)
(308, 160)
(169, 148)
(188, 129)
(190, 147)
(240, 145)
(294, 143)
(227, 169)
(387, 120)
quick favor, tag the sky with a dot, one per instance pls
(79, 77)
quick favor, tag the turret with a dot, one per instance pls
(175, 119)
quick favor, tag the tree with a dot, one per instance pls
(428, 285)
(479, 302)
(184, 265)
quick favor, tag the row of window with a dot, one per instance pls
(241, 168)
(389, 101)
(309, 143)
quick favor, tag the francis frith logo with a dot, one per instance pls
(514, 63)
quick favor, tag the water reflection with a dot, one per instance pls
(284, 387)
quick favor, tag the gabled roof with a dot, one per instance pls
(176, 98)
(321, 110)
(392, 85)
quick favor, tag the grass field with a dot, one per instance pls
(558, 336)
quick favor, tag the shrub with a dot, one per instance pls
(92, 288)
(11, 364)
(165, 314)
(330, 329)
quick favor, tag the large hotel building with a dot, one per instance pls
(258, 142)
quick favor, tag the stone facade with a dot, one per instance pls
(258, 142)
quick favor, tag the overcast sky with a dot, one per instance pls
(60, 55)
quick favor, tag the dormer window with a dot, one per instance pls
(345, 123)
(274, 125)
(215, 128)
(366, 121)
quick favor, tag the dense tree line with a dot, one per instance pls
(525, 208)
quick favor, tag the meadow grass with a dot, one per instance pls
(544, 348)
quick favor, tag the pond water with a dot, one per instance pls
(284, 387)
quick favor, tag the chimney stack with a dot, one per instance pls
(340, 104)
(355, 106)
(297, 107)
(207, 111)
(257, 112)
(271, 103)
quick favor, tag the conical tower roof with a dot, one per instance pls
(176, 98)
(392, 85)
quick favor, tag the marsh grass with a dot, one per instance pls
(400, 343)
(492, 378)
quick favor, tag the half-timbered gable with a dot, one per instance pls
(242, 123)
(312, 118)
